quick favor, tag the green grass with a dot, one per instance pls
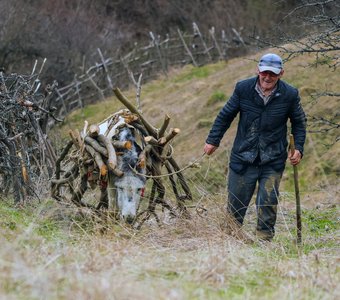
(216, 97)
(192, 73)
(33, 218)
(322, 222)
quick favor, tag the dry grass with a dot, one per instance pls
(54, 252)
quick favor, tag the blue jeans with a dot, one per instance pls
(241, 189)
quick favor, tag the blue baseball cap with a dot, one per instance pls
(270, 62)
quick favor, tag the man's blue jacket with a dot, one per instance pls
(262, 129)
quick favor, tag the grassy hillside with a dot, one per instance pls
(54, 251)
(192, 98)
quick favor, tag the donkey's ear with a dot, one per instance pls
(141, 168)
(141, 163)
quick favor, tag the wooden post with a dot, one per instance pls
(238, 35)
(60, 96)
(108, 78)
(186, 48)
(156, 45)
(212, 33)
(90, 77)
(197, 31)
(76, 84)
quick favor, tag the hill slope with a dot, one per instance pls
(54, 251)
(192, 98)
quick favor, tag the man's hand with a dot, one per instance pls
(295, 158)
(209, 149)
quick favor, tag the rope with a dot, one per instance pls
(169, 174)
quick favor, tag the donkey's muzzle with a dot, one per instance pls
(129, 219)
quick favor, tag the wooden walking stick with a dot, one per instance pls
(297, 194)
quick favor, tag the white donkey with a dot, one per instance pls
(125, 192)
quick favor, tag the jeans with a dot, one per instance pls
(241, 189)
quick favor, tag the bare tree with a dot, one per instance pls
(316, 24)
(319, 24)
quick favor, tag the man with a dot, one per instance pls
(259, 152)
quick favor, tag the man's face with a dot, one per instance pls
(268, 79)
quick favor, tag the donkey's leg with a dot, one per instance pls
(103, 200)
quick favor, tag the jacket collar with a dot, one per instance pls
(279, 86)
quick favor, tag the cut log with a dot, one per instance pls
(96, 146)
(151, 140)
(111, 153)
(122, 144)
(165, 139)
(98, 159)
(164, 126)
(94, 130)
(61, 158)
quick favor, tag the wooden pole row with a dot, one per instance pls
(148, 60)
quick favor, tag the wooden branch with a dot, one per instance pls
(74, 137)
(122, 144)
(69, 176)
(111, 153)
(73, 171)
(180, 199)
(164, 126)
(94, 130)
(139, 126)
(181, 178)
(151, 140)
(78, 194)
(165, 139)
(98, 159)
(151, 130)
(61, 158)
(96, 146)
(142, 157)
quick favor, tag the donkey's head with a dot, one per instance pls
(129, 190)
(130, 187)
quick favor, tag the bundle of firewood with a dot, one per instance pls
(94, 154)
